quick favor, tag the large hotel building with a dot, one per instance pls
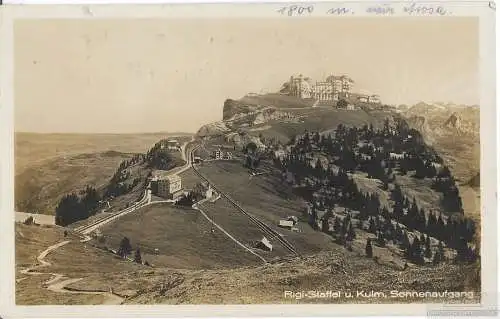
(333, 89)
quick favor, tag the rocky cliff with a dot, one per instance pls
(281, 116)
(453, 130)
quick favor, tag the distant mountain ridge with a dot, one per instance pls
(445, 119)
(453, 129)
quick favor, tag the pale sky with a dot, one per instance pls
(121, 76)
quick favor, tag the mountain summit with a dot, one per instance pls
(281, 116)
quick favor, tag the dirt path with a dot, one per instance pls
(58, 285)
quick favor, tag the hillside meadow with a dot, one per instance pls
(48, 166)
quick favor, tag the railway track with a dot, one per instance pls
(271, 233)
(85, 229)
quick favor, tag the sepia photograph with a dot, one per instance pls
(220, 161)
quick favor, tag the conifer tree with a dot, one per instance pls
(441, 250)
(369, 248)
(351, 234)
(422, 238)
(345, 225)
(372, 227)
(436, 258)
(399, 232)
(385, 213)
(325, 226)
(398, 211)
(381, 240)
(439, 254)
(408, 249)
(420, 222)
(440, 228)
(125, 248)
(416, 250)
(432, 224)
(338, 225)
(428, 251)
(137, 256)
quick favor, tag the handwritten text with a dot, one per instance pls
(340, 11)
(424, 10)
(380, 10)
(294, 10)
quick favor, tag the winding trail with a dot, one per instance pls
(56, 282)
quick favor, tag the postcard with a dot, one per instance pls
(248, 159)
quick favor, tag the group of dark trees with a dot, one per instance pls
(75, 207)
(193, 196)
(420, 248)
(125, 249)
(343, 230)
(160, 157)
(118, 183)
(454, 231)
(342, 104)
(29, 221)
(252, 156)
(445, 183)
(386, 231)
(325, 186)
(186, 200)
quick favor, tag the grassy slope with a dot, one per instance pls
(189, 179)
(330, 270)
(420, 189)
(335, 271)
(183, 237)
(30, 242)
(373, 186)
(51, 165)
(277, 100)
(41, 187)
(240, 227)
(317, 119)
(320, 119)
(333, 268)
(267, 198)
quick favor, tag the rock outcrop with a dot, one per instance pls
(453, 121)
(420, 123)
(213, 129)
(475, 181)
(234, 107)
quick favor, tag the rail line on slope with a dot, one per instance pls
(260, 224)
